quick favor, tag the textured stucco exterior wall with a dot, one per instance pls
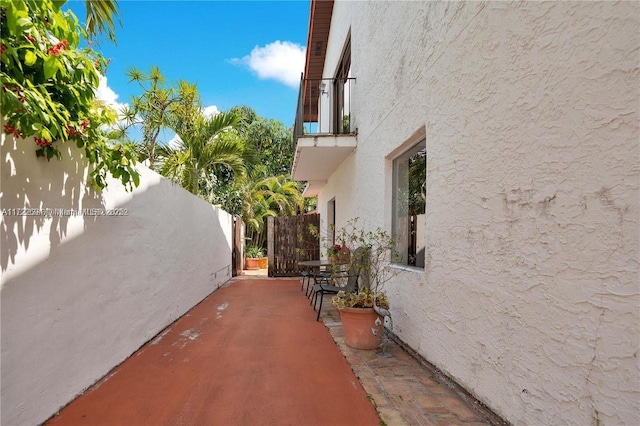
(81, 294)
(530, 297)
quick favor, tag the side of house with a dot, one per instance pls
(520, 242)
(82, 291)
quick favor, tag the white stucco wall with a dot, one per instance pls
(81, 294)
(530, 297)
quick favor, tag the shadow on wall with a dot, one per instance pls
(81, 294)
(29, 185)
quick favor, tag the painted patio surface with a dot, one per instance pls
(251, 353)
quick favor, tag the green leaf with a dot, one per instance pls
(136, 177)
(12, 20)
(30, 58)
(50, 66)
(24, 22)
(45, 134)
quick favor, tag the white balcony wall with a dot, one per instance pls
(530, 297)
(81, 294)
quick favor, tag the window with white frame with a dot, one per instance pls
(409, 202)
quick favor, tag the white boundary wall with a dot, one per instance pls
(81, 294)
(531, 297)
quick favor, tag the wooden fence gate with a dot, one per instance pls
(236, 248)
(289, 240)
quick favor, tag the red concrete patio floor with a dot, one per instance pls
(249, 354)
(253, 354)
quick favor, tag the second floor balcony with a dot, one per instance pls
(324, 131)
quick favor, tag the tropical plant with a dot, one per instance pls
(270, 197)
(269, 138)
(101, 15)
(254, 252)
(247, 116)
(49, 85)
(226, 194)
(374, 263)
(273, 143)
(200, 149)
(346, 124)
(150, 111)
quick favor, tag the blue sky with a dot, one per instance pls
(237, 52)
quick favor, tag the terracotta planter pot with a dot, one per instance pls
(362, 327)
(251, 263)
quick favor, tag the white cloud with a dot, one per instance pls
(281, 60)
(175, 142)
(108, 96)
(210, 111)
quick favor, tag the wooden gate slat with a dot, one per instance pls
(290, 241)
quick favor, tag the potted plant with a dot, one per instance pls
(339, 253)
(254, 258)
(362, 312)
(346, 125)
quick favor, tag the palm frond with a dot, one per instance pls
(101, 17)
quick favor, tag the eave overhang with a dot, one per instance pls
(319, 24)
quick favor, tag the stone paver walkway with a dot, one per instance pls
(404, 389)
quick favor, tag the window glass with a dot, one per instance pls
(409, 202)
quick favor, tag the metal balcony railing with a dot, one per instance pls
(324, 107)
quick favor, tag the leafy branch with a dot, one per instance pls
(49, 85)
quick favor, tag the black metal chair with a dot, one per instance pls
(323, 285)
(307, 276)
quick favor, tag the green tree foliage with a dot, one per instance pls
(49, 84)
(101, 16)
(151, 109)
(417, 183)
(271, 144)
(271, 140)
(247, 116)
(270, 197)
(204, 147)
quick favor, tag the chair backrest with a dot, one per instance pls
(355, 268)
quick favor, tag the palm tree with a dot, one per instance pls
(281, 194)
(200, 149)
(101, 16)
(270, 197)
(152, 109)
